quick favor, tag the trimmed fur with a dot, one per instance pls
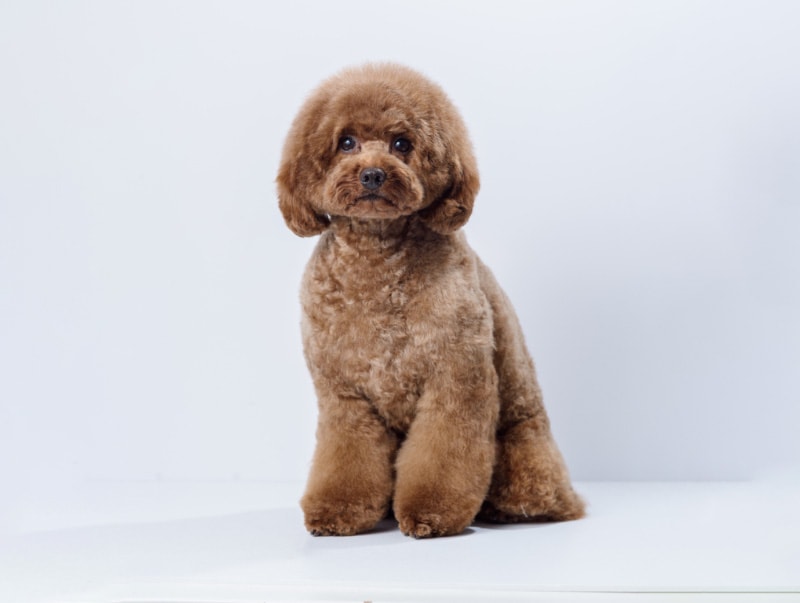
(428, 399)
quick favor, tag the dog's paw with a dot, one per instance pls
(424, 526)
(419, 523)
(516, 505)
(339, 517)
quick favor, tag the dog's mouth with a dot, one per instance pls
(372, 205)
(375, 199)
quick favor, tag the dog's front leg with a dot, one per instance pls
(351, 479)
(445, 465)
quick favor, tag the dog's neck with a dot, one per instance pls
(381, 250)
(381, 235)
(353, 229)
(368, 255)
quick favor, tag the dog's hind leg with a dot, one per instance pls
(530, 480)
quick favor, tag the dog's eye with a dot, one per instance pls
(401, 145)
(347, 143)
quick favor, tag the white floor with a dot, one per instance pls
(244, 542)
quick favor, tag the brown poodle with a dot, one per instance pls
(428, 400)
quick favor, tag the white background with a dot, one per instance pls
(640, 205)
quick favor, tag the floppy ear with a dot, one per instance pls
(452, 210)
(294, 201)
(302, 170)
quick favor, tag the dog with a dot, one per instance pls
(429, 406)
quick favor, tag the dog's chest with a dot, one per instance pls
(364, 332)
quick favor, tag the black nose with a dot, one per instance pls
(372, 178)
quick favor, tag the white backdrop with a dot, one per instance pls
(640, 205)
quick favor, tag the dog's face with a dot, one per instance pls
(377, 142)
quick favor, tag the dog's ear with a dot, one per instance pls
(451, 210)
(294, 201)
(302, 169)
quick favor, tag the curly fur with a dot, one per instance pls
(428, 400)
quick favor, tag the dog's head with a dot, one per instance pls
(377, 142)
